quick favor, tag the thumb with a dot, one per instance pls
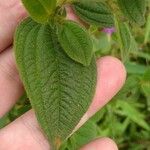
(101, 144)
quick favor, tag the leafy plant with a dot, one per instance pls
(56, 61)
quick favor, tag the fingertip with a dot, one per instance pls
(101, 144)
(111, 144)
(114, 66)
(12, 88)
(9, 20)
(111, 76)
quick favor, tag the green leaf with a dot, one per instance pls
(125, 39)
(145, 85)
(129, 109)
(131, 89)
(40, 10)
(134, 68)
(87, 133)
(96, 13)
(60, 89)
(147, 31)
(76, 42)
(4, 121)
(84, 135)
(134, 10)
(102, 44)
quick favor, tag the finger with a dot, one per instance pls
(27, 126)
(111, 77)
(101, 144)
(23, 134)
(11, 12)
(11, 87)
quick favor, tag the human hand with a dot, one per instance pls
(25, 133)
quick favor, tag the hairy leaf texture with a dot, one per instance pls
(60, 89)
(76, 42)
(125, 38)
(40, 10)
(96, 13)
(134, 10)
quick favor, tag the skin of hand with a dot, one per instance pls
(24, 133)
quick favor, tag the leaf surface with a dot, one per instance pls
(147, 30)
(76, 42)
(60, 89)
(40, 10)
(125, 38)
(134, 10)
(131, 111)
(96, 13)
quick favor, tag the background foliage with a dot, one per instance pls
(126, 119)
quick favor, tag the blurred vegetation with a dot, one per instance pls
(126, 118)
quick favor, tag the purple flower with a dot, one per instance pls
(109, 31)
